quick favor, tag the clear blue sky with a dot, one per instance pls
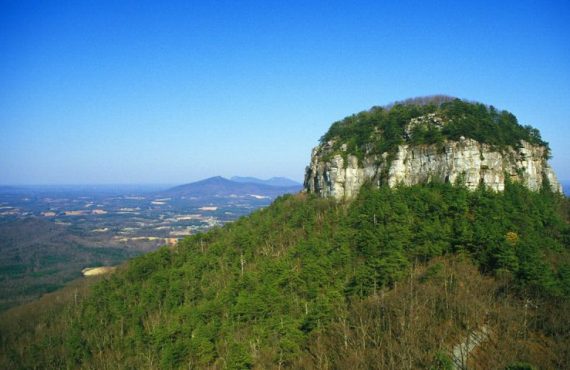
(142, 92)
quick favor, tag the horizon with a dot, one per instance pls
(136, 93)
(62, 185)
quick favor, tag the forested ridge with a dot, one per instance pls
(393, 279)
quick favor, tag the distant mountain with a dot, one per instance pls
(274, 181)
(221, 187)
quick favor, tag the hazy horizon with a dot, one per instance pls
(152, 93)
(130, 184)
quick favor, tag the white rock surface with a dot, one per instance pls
(329, 175)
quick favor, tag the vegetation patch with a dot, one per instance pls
(429, 121)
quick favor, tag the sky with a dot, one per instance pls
(126, 92)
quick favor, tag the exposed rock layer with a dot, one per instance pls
(468, 161)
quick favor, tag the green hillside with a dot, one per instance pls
(394, 279)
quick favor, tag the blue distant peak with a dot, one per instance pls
(274, 181)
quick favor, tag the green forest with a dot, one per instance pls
(394, 279)
(381, 129)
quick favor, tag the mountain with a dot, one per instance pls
(433, 275)
(222, 187)
(274, 181)
(441, 139)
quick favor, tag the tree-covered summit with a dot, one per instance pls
(428, 120)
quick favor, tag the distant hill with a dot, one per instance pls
(274, 181)
(221, 187)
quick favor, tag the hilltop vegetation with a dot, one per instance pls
(381, 129)
(392, 280)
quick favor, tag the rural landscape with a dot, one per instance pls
(49, 235)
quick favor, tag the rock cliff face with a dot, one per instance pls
(341, 175)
